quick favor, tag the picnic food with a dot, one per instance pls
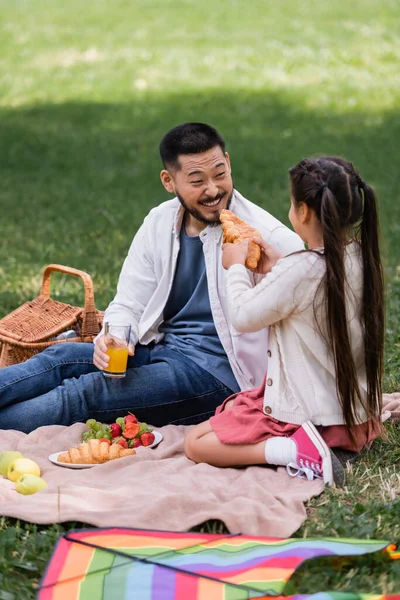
(24, 472)
(22, 466)
(6, 458)
(131, 430)
(127, 431)
(147, 439)
(29, 484)
(115, 429)
(121, 441)
(236, 230)
(94, 452)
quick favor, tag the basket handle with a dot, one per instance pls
(89, 309)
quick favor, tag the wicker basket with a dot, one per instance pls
(33, 326)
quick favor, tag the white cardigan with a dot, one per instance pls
(148, 272)
(301, 375)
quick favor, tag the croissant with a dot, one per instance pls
(235, 230)
(94, 452)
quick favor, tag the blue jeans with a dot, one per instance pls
(62, 386)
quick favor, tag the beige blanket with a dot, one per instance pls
(155, 489)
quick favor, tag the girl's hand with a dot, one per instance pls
(269, 257)
(234, 254)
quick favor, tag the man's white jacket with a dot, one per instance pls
(148, 272)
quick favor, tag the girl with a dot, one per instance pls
(325, 309)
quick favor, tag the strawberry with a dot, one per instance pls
(130, 419)
(121, 442)
(131, 430)
(136, 443)
(147, 438)
(116, 430)
(106, 440)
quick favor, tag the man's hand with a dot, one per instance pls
(269, 257)
(100, 356)
(234, 254)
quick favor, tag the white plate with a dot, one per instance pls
(54, 457)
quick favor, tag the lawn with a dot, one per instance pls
(87, 89)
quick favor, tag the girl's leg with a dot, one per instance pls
(202, 445)
(305, 451)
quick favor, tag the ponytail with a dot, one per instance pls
(373, 302)
(338, 335)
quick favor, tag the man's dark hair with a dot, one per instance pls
(188, 138)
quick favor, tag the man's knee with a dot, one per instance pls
(70, 351)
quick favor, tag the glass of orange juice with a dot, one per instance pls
(117, 339)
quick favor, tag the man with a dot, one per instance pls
(186, 358)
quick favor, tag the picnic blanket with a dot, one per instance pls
(156, 488)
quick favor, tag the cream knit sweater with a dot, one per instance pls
(301, 375)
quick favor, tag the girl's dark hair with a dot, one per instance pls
(342, 201)
(188, 138)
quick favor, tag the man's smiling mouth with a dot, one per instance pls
(211, 203)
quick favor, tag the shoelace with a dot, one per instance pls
(302, 472)
(314, 466)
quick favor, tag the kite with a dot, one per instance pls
(134, 564)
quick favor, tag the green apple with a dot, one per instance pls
(6, 458)
(22, 466)
(29, 484)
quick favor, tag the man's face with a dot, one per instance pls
(203, 184)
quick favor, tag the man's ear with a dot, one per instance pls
(228, 160)
(167, 181)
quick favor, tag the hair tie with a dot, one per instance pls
(323, 187)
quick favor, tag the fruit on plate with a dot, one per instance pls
(106, 440)
(6, 458)
(29, 484)
(116, 429)
(121, 441)
(147, 438)
(22, 466)
(130, 419)
(94, 452)
(126, 431)
(131, 430)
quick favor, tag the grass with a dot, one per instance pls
(86, 92)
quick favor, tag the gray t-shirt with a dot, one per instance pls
(188, 323)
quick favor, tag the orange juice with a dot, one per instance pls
(118, 361)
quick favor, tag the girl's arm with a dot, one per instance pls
(281, 291)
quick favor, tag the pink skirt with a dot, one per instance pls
(246, 423)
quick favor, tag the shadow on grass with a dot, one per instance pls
(77, 179)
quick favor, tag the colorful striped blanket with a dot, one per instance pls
(129, 564)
